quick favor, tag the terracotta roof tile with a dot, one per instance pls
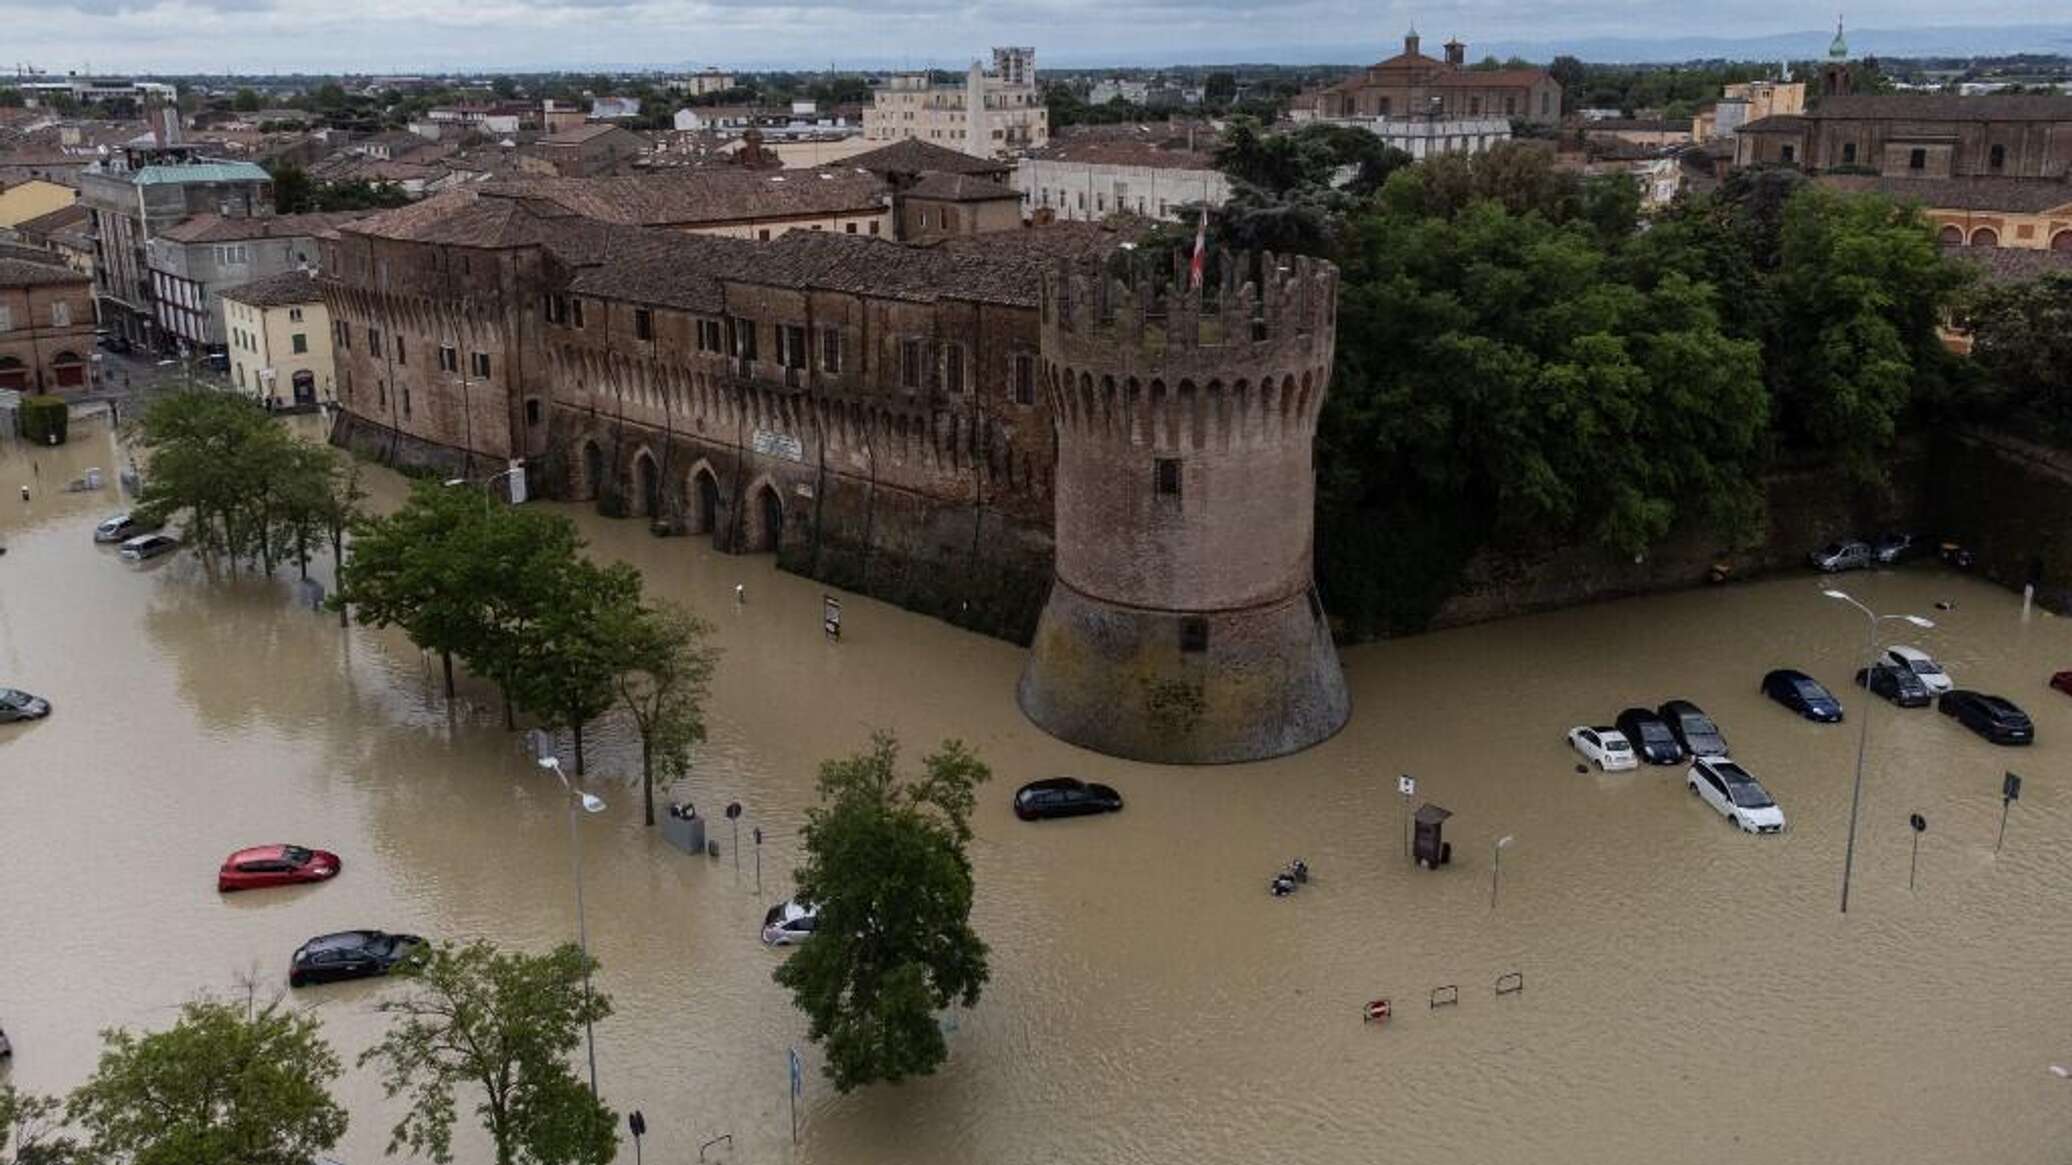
(1944, 107)
(704, 197)
(215, 228)
(961, 188)
(289, 287)
(913, 156)
(2009, 195)
(18, 272)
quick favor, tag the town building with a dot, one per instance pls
(1747, 101)
(193, 261)
(1089, 176)
(2023, 214)
(1429, 137)
(280, 341)
(614, 108)
(1918, 136)
(67, 232)
(1412, 85)
(46, 323)
(759, 204)
(21, 201)
(1649, 133)
(703, 82)
(586, 151)
(962, 431)
(133, 206)
(993, 113)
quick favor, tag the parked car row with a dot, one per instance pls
(16, 704)
(1857, 554)
(327, 958)
(139, 538)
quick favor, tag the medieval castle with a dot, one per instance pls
(1035, 434)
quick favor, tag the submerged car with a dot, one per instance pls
(1993, 717)
(1735, 792)
(16, 704)
(1063, 797)
(2062, 681)
(1650, 737)
(275, 865)
(349, 954)
(1606, 747)
(789, 923)
(1842, 556)
(1693, 728)
(148, 546)
(1802, 694)
(1915, 660)
(1895, 683)
(122, 527)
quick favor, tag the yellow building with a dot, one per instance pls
(280, 341)
(2023, 213)
(1748, 101)
(33, 199)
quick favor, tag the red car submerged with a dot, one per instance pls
(2062, 681)
(275, 865)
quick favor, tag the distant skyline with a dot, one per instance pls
(402, 36)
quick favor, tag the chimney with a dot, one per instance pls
(1456, 53)
(1410, 43)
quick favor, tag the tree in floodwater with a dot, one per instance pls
(421, 568)
(502, 1024)
(227, 1082)
(665, 668)
(228, 472)
(563, 665)
(29, 1133)
(887, 871)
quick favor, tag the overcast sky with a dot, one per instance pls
(381, 36)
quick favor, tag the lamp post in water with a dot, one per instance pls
(591, 803)
(1496, 867)
(1863, 731)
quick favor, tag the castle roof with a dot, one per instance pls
(216, 228)
(705, 197)
(2007, 195)
(1943, 107)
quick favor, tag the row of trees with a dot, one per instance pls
(246, 492)
(250, 1082)
(508, 592)
(295, 192)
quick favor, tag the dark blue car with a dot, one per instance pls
(1802, 694)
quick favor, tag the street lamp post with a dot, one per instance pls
(485, 483)
(1863, 731)
(1496, 867)
(591, 804)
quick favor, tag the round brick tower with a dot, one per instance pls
(1183, 626)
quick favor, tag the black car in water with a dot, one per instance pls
(1802, 694)
(349, 954)
(1693, 728)
(1063, 797)
(1993, 717)
(1897, 684)
(1650, 736)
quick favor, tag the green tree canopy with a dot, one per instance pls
(665, 666)
(29, 1130)
(886, 868)
(502, 1025)
(2021, 341)
(225, 1083)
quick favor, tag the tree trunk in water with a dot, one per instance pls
(302, 552)
(579, 746)
(647, 777)
(510, 722)
(338, 565)
(446, 658)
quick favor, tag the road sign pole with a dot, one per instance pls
(2010, 792)
(1407, 786)
(1914, 863)
(2004, 804)
(791, 1060)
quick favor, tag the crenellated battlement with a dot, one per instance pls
(1133, 354)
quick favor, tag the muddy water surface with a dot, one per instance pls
(1691, 994)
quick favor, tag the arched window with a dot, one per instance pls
(1950, 236)
(1985, 237)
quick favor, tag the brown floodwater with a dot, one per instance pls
(1691, 993)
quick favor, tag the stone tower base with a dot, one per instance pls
(1253, 683)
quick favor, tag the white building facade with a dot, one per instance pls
(1429, 138)
(1085, 191)
(992, 114)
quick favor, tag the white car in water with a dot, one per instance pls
(789, 923)
(1915, 660)
(1607, 748)
(1735, 792)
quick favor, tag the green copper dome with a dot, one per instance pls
(1838, 50)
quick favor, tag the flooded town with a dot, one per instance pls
(605, 584)
(1690, 991)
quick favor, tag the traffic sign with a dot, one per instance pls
(1406, 785)
(798, 1076)
(2010, 788)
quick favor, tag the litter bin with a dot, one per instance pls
(1430, 847)
(683, 828)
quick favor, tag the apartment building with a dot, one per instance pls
(993, 113)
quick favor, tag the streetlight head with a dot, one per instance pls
(1503, 841)
(592, 803)
(551, 762)
(454, 481)
(1918, 621)
(1835, 594)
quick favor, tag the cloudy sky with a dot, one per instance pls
(252, 36)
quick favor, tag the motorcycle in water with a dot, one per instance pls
(1284, 883)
